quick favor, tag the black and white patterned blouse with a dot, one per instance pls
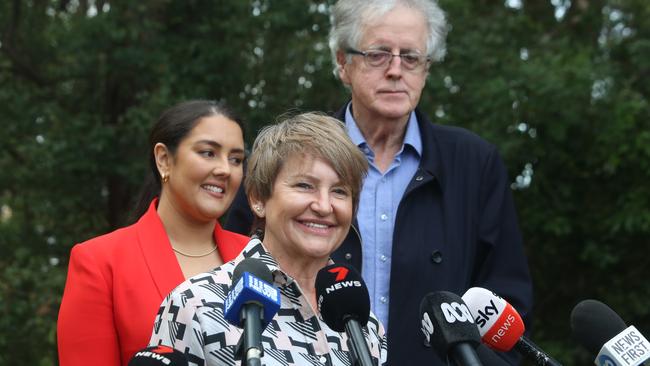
(191, 319)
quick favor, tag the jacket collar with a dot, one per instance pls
(158, 254)
(227, 250)
(430, 161)
(157, 251)
(430, 155)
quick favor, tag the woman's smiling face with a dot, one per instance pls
(206, 170)
(309, 212)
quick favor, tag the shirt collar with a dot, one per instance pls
(411, 138)
(255, 249)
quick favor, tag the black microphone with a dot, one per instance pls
(344, 304)
(251, 304)
(603, 333)
(594, 323)
(449, 328)
(158, 356)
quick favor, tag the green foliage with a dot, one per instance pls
(563, 93)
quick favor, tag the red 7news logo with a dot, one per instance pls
(341, 272)
(163, 349)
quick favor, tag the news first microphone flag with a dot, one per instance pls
(628, 348)
(594, 324)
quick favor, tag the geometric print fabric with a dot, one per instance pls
(191, 319)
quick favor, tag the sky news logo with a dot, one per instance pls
(486, 313)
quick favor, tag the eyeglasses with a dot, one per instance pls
(380, 58)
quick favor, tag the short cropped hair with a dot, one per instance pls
(312, 134)
(349, 17)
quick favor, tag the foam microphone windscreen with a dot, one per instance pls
(157, 356)
(594, 324)
(446, 321)
(342, 295)
(253, 266)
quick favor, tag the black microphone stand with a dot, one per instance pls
(250, 344)
(464, 355)
(357, 344)
(525, 346)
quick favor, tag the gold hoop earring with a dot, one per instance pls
(165, 178)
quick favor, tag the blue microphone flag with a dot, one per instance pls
(251, 289)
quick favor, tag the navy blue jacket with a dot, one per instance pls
(456, 228)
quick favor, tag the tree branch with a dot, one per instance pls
(22, 67)
(15, 154)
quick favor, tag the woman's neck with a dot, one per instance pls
(190, 239)
(304, 273)
(186, 234)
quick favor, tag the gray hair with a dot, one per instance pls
(348, 18)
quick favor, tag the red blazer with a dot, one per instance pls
(115, 285)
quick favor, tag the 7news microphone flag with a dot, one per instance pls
(158, 356)
(344, 304)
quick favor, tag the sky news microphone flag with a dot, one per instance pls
(501, 326)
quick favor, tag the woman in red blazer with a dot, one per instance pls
(117, 281)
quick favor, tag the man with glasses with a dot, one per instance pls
(436, 211)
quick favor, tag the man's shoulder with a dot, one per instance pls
(450, 150)
(452, 137)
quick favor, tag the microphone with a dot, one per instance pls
(449, 327)
(344, 305)
(157, 356)
(501, 326)
(602, 331)
(251, 304)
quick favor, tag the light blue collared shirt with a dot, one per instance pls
(380, 198)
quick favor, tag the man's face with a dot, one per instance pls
(389, 92)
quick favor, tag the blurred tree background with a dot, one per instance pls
(561, 86)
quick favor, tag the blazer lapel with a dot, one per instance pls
(228, 249)
(157, 251)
